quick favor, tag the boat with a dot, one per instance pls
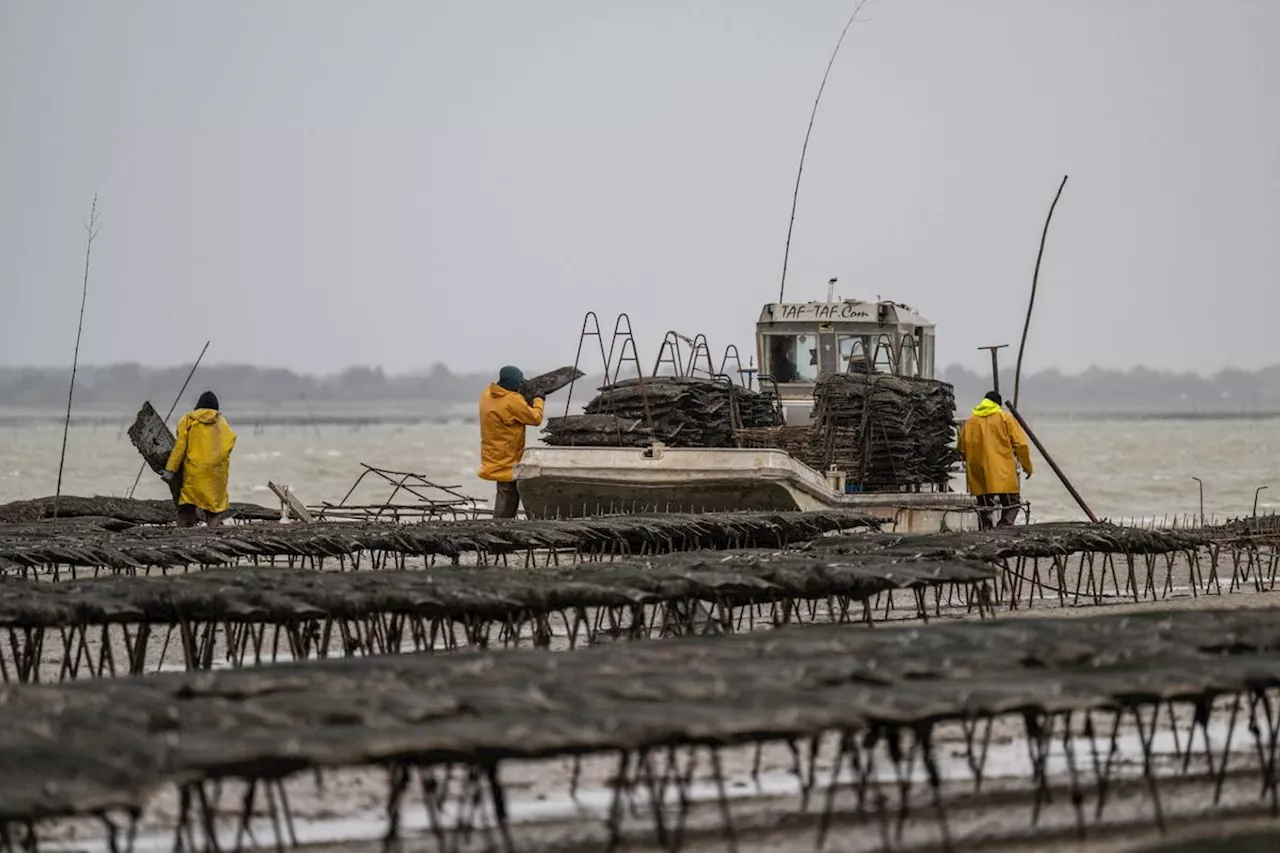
(798, 346)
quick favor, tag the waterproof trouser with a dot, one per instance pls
(1010, 504)
(507, 500)
(190, 514)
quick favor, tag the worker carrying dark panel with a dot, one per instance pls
(992, 446)
(203, 455)
(504, 415)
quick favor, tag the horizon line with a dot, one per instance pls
(419, 372)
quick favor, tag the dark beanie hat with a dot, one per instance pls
(511, 378)
(994, 396)
(208, 400)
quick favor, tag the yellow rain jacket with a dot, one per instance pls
(989, 442)
(203, 452)
(503, 416)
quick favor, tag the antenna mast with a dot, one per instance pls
(795, 196)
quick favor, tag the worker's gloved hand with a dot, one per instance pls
(539, 400)
(167, 476)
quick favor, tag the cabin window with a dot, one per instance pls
(793, 358)
(885, 360)
(855, 353)
(910, 356)
(867, 354)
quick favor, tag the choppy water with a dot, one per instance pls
(1122, 467)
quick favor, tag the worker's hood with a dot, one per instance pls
(985, 409)
(205, 416)
(496, 391)
(511, 378)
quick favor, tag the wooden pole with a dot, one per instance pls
(92, 227)
(1052, 464)
(1035, 279)
(176, 400)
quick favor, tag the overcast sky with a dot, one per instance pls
(317, 184)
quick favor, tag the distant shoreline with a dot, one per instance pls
(1125, 415)
(20, 421)
(390, 414)
(249, 416)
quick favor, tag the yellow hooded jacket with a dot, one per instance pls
(989, 442)
(203, 452)
(503, 416)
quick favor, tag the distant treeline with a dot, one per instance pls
(132, 383)
(1137, 390)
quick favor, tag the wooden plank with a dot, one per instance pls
(296, 509)
(153, 440)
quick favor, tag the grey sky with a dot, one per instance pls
(316, 184)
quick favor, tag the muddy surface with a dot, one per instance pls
(1095, 678)
(766, 810)
(1102, 700)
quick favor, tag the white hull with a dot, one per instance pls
(569, 482)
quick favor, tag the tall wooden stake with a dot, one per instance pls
(1013, 410)
(91, 227)
(1035, 279)
(795, 196)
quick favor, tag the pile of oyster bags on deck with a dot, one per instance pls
(887, 431)
(677, 411)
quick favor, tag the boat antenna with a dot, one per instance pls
(795, 196)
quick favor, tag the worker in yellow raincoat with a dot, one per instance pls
(504, 414)
(990, 442)
(203, 455)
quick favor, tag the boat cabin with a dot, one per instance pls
(799, 343)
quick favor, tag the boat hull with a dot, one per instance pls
(573, 482)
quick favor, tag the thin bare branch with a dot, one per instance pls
(795, 196)
(1035, 280)
(92, 227)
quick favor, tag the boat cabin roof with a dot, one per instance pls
(848, 311)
